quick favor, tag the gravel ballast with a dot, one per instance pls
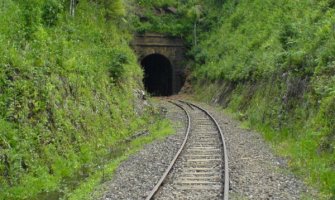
(255, 172)
(135, 177)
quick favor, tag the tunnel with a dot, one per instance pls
(157, 75)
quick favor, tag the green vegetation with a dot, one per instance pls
(92, 189)
(68, 76)
(171, 17)
(66, 93)
(273, 63)
(164, 16)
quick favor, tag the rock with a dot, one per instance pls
(171, 9)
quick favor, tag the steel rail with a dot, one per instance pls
(156, 188)
(168, 170)
(226, 166)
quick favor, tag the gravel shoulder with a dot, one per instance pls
(135, 177)
(255, 171)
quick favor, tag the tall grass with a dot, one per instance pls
(66, 92)
(277, 62)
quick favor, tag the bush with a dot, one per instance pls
(60, 106)
(279, 55)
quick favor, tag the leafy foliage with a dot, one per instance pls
(157, 16)
(276, 60)
(66, 92)
(52, 10)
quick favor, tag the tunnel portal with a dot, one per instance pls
(163, 60)
(157, 75)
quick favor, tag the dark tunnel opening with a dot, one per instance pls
(157, 75)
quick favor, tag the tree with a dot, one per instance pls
(73, 4)
(195, 14)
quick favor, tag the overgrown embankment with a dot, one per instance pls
(273, 64)
(66, 92)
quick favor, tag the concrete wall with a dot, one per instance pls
(171, 47)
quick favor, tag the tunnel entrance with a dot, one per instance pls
(157, 75)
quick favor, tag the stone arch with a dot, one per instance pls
(171, 48)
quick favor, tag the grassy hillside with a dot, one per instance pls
(272, 63)
(169, 17)
(67, 81)
(66, 92)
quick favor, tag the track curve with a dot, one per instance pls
(199, 170)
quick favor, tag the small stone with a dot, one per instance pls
(171, 10)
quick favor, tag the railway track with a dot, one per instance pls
(199, 170)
